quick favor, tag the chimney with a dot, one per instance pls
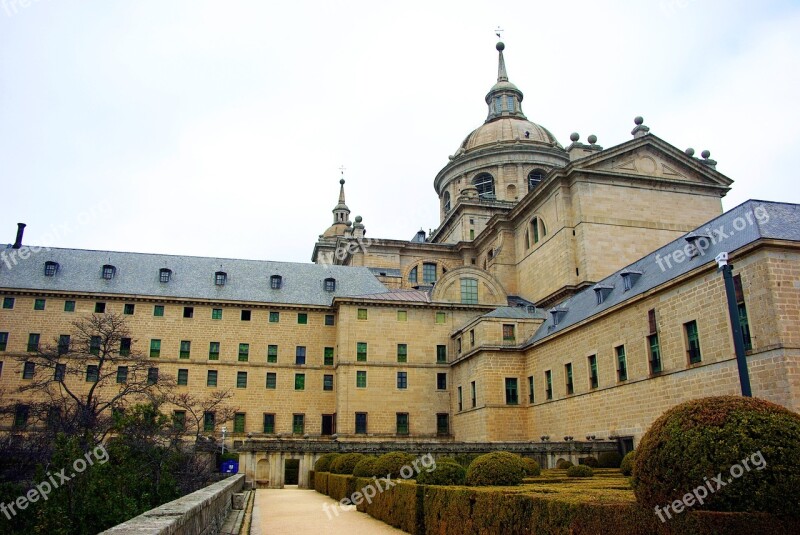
(20, 232)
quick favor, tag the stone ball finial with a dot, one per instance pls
(341, 182)
(358, 219)
(705, 154)
(689, 152)
(348, 223)
(574, 136)
(500, 46)
(638, 119)
(592, 139)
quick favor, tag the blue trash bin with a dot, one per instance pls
(229, 467)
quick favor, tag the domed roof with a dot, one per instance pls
(508, 130)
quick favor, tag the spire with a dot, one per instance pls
(341, 194)
(341, 213)
(502, 76)
(504, 98)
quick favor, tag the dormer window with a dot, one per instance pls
(558, 315)
(629, 278)
(602, 291)
(697, 243)
(220, 278)
(330, 285)
(50, 269)
(276, 282)
(109, 271)
(164, 275)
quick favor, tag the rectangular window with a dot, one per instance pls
(460, 400)
(744, 323)
(274, 317)
(361, 351)
(211, 378)
(472, 338)
(63, 344)
(8, 302)
(183, 377)
(124, 347)
(155, 348)
(512, 391)
(188, 312)
(441, 381)
(361, 423)
(99, 308)
(327, 382)
(401, 423)
(241, 379)
(21, 416)
(33, 342)
(693, 342)
(28, 370)
(651, 321)
(39, 304)
(362, 313)
(244, 352)
(548, 384)
(442, 424)
(361, 379)
(302, 318)
(441, 318)
(299, 381)
(328, 359)
(94, 345)
(402, 315)
(298, 424)
(3, 341)
(441, 354)
(179, 420)
(530, 389)
(428, 273)
(622, 363)
(186, 349)
(655, 353)
(458, 345)
(216, 313)
(209, 422)
(158, 310)
(246, 315)
(122, 374)
(330, 320)
(472, 234)
(272, 380)
(60, 372)
(402, 380)
(213, 351)
(269, 424)
(469, 291)
(508, 333)
(69, 306)
(272, 353)
(473, 393)
(593, 379)
(568, 378)
(300, 355)
(152, 376)
(402, 353)
(128, 308)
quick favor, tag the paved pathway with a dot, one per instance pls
(294, 511)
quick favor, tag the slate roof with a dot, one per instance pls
(515, 313)
(192, 277)
(417, 296)
(742, 225)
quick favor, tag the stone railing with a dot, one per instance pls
(199, 513)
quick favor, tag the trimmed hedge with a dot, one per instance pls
(532, 467)
(323, 464)
(344, 464)
(496, 468)
(321, 482)
(589, 461)
(390, 464)
(563, 464)
(580, 470)
(695, 441)
(626, 466)
(609, 459)
(365, 467)
(445, 473)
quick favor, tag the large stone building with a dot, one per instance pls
(567, 298)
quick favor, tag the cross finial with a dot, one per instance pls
(342, 169)
(498, 32)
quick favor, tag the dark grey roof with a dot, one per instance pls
(192, 277)
(748, 222)
(515, 313)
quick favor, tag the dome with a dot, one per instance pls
(508, 130)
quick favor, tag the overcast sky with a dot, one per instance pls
(218, 128)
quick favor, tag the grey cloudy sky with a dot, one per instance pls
(218, 128)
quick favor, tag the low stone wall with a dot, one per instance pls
(199, 513)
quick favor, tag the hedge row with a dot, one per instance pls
(422, 509)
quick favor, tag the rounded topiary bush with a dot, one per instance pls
(345, 463)
(365, 467)
(609, 459)
(580, 470)
(753, 445)
(589, 461)
(563, 464)
(445, 473)
(496, 468)
(390, 464)
(323, 464)
(626, 466)
(532, 468)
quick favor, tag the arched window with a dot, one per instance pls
(412, 275)
(220, 278)
(428, 273)
(275, 282)
(164, 274)
(330, 285)
(109, 271)
(538, 228)
(511, 192)
(485, 184)
(446, 199)
(50, 269)
(527, 239)
(535, 177)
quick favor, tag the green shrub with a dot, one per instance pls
(580, 470)
(496, 468)
(465, 459)
(563, 464)
(532, 468)
(345, 463)
(609, 459)
(702, 438)
(589, 461)
(627, 463)
(323, 464)
(365, 467)
(391, 463)
(445, 473)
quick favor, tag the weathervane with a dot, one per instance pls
(342, 168)
(499, 31)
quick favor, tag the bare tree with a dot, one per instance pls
(196, 408)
